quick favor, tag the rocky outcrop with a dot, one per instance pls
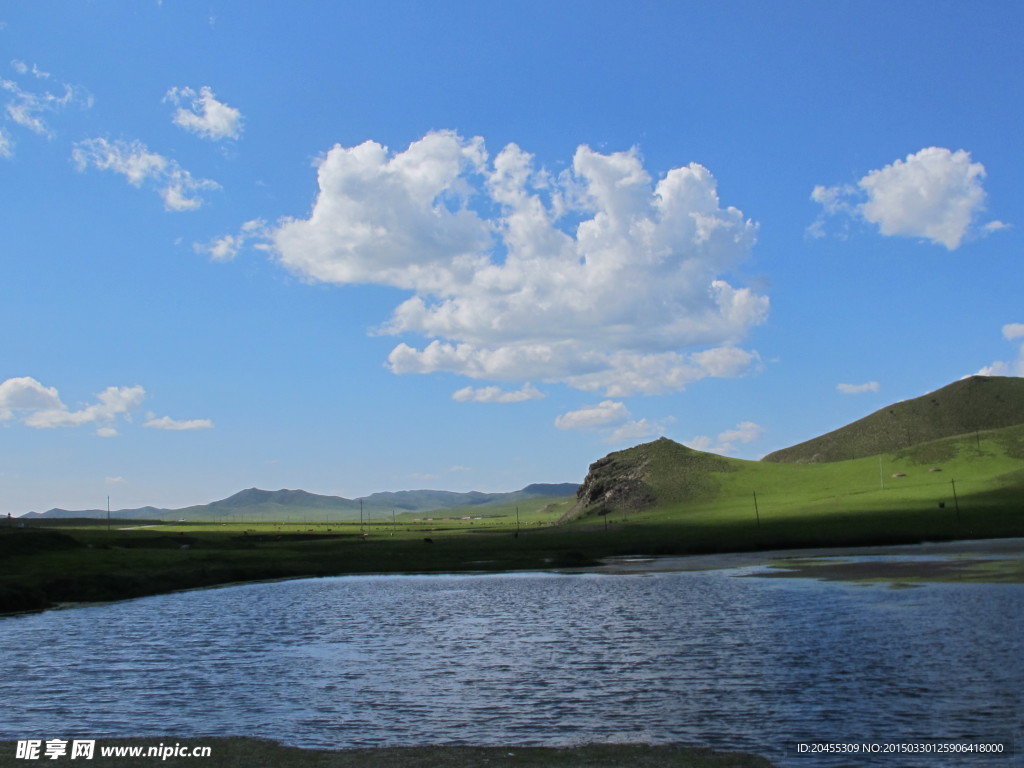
(659, 472)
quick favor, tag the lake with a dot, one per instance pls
(708, 658)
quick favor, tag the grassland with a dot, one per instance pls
(50, 562)
(961, 487)
(694, 503)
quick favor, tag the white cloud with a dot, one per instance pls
(204, 115)
(497, 394)
(856, 389)
(166, 422)
(934, 194)
(137, 164)
(41, 407)
(31, 109)
(26, 394)
(833, 199)
(111, 402)
(633, 431)
(744, 432)
(23, 69)
(1011, 332)
(604, 414)
(610, 417)
(6, 145)
(114, 480)
(226, 247)
(600, 278)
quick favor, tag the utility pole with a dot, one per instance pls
(517, 521)
(360, 516)
(393, 524)
(108, 514)
(756, 513)
(956, 502)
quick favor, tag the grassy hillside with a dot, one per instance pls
(974, 403)
(681, 502)
(725, 503)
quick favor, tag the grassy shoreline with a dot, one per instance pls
(250, 752)
(49, 567)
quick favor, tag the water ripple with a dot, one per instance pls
(531, 659)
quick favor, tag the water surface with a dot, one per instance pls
(532, 659)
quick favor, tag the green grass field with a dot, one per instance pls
(703, 503)
(966, 487)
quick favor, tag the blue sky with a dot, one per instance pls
(355, 247)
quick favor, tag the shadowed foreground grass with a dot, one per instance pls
(257, 753)
(47, 565)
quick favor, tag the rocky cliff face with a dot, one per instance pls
(614, 485)
(652, 473)
(616, 482)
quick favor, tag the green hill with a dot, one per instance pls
(956, 487)
(974, 403)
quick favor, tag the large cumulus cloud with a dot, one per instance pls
(600, 277)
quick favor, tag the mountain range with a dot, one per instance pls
(285, 504)
(657, 472)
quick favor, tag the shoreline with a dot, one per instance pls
(984, 550)
(1009, 547)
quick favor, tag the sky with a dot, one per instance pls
(353, 247)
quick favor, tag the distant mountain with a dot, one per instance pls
(142, 513)
(974, 403)
(254, 497)
(285, 504)
(550, 489)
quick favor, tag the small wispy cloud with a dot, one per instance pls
(204, 115)
(23, 68)
(726, 442)
(604, 414)
(610, 417)
(226, 247)
(856, 389)
(133, 160)
(166, 422)
(31, 108)
(497, 394)
(1011, 332)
